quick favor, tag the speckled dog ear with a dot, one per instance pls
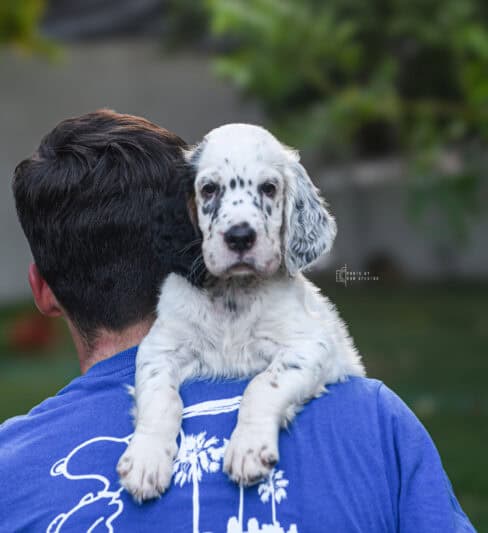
(309, 229)
(177, 241)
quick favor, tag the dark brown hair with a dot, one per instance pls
(87, 200)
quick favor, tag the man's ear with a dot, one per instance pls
(44, 297)
(309, 227)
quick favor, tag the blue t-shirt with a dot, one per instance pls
(354, 460)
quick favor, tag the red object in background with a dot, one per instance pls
(32, 332)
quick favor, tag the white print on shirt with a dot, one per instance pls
(197, 456)
(105, 495)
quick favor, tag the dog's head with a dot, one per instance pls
(255, 204)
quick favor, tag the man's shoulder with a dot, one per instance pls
(106, 408)
(351, 409)
(355, 386)
(359, 408)
(355, 394)
(80, 407)
(104, 385)
(361, 393)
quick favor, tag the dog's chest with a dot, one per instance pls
(233, 320)
(229, 335)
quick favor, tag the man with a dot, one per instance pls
(355, 460)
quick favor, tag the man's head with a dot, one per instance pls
(87, 199)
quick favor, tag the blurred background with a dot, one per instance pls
(388, 103)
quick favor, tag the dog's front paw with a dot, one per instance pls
(251, 453)
(146, 467)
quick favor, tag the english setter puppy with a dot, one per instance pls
(256, 316)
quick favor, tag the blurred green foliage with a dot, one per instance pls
(331, 70)
(349, 78)
(19, 25)
(19, 21)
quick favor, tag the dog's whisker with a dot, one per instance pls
(198, 260)
(188, 246)
(197, 267)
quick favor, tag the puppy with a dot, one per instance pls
(255, 315)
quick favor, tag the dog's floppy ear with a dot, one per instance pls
(309, 229)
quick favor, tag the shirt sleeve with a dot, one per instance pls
(424, 499)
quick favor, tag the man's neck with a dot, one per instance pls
(107, 343)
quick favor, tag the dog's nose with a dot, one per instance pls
(240, 237)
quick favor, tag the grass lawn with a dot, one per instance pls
(428, 343)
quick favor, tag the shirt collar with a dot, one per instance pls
(121, 361)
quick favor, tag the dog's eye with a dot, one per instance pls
(268, 188)
(209, 189)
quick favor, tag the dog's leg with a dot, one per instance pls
(146, 467)
(271, 400)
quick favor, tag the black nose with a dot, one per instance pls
(240, 237)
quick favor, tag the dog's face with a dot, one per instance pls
(256, 206)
